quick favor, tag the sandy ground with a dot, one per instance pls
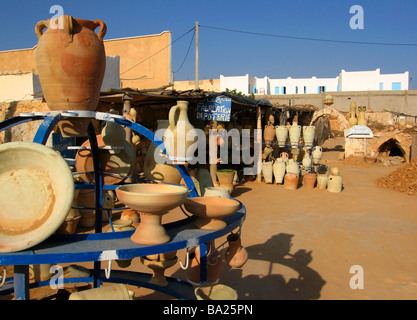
(303, 243)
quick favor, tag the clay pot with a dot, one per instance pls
(310, 180)
(284, 156)
(282, 134)
(307, 161)
(119, 226)
(131, 215)
(120, 165)
(71, 62)
(295, 134)
(362, 120)
(214, 264)
(279, 170)
(267, 151)
(113, 135)
(158, 263)
(215, 292)
(111, 292)
(335, 181)
(217, 192)
(292, 167)
(269, 133)
(308, 135)
(157, 168)
(291, 181)
(236, 255)
(267, 171)
(317, 154)
(225, 178)
(40, 272)
(352, 120)
(211, 211)
(322, 181)
(176, 142)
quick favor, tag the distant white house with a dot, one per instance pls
(345, 81)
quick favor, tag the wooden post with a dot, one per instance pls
(259, 127)
(413, 153)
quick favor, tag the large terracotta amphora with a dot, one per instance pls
(182, 138)
(71, 62)
(269, 133)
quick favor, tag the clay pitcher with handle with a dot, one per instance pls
(71, 62)
(179, 137)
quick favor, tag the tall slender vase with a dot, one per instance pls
(282, 135)
(295, 134)
(362, 120)
(353, 121)
(279, 170)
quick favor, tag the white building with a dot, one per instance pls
(345, 81)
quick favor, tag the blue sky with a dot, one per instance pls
(232, 53)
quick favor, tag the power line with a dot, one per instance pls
(188, 51)
(193, 28)
(310, 39)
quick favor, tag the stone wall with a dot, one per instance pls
(396, 101)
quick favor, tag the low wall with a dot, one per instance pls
(404, 101)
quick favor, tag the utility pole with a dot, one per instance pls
(197, 85)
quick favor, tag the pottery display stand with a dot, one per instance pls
(106, 247)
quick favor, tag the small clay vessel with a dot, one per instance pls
(236, 255)
(291, 181)
(310, 180)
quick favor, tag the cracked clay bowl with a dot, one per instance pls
(36, 194)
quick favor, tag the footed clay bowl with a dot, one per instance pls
(36, 194)
(151, 198)
(211, 211)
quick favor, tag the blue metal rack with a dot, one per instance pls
(97, 247)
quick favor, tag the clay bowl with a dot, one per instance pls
(151, 201)
(211, 211)
(151, 198)
(36, 194)
(120, 164)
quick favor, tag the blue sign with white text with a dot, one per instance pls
(217, 110)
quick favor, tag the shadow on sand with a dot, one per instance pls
(273, 286)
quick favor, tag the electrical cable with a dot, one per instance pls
(310, 39)
(188, 51)
(171, 43)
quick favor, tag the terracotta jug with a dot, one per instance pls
(267, 171)
(217, 192)
(178, 140)
(236, 255)
(317, 154)
(284, 156)
(335, 181)
(153, 167)
(282, 134)
(158, 263)
(214, 264)
(71, 62)
(279, 170)
(267, 151)
(269, 133)
(295, 134)
(308, 135)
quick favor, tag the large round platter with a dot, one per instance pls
(36, 193)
